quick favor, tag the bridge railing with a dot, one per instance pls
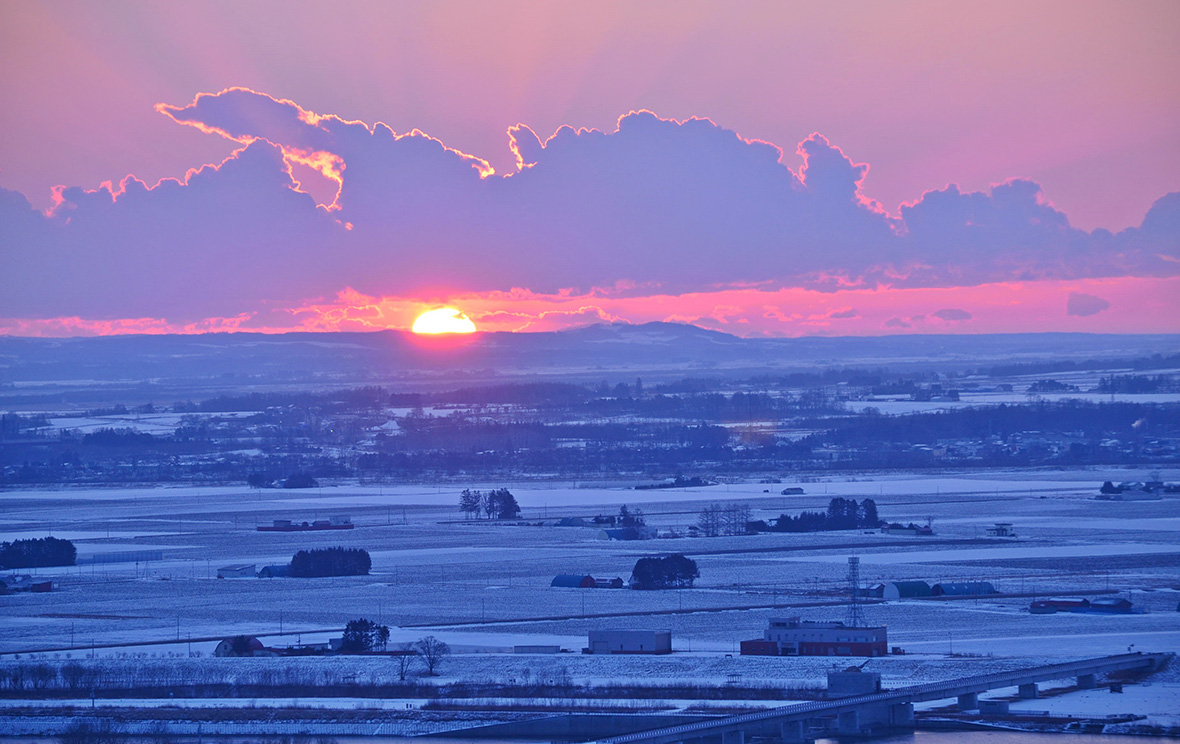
(935, 691)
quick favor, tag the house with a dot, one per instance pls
(1059, 604)
(641, 532)
(915, 530)
(795, 637)
(1001, 529)
(1112, 605)
(903, 589)
(629, 642)
(274, 572)
(962, 589)
(24, 583)
(615, 582)
(580, 581)
(237, 571)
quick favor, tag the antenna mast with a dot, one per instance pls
(856, 617)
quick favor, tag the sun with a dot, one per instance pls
(443, 320)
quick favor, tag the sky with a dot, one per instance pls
(762, 169)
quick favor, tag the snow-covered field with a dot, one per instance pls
(485, 587)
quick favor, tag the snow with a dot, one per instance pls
(484, 587)
(995, 554)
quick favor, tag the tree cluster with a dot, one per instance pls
(363, 636)
(37, 553)
(496, 504)
(842, 514)
(331, 562)
(669, 572)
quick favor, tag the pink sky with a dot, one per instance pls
(1080, 98)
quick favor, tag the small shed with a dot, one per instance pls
(237, 571)
(962, 589)
(573, 581)
(853, 681)
(629, 642)
(536, 649)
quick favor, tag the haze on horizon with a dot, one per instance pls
(544, 166)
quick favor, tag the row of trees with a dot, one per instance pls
(331, 562)
(37, 553)
(724, 519)
(497, 504)
(842, 514)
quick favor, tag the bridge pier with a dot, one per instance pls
(969, 701)
(848, 722)
(902, 715)
(733, 737)
(1086, 682)
(1028, 691)
(792, 732)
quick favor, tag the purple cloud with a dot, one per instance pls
(1084, 305)
(952, 314)
(683, 206)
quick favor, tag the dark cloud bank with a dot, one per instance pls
(682, 205)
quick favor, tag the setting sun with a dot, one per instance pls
(443, 320)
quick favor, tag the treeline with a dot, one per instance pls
(330, 562)
(37, 553)
(334, 401)
(495, 504)
(842, 514)
(1092, 419)
(199, 679)
(1155, 361)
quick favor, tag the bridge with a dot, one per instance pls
(883, 712)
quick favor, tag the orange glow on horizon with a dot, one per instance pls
(1136, 305)
(443, 320)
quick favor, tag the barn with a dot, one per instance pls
(902, 589)
(573, 581)
(962, 589)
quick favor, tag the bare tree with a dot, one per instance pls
(709, 520)
(404, 656)
(734, 519)
(432, 651)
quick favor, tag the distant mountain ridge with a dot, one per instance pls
(591, 353)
